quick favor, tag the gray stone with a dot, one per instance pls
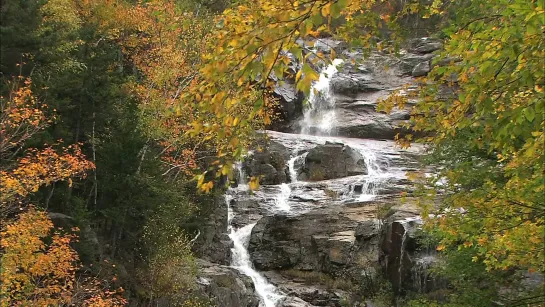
(353, 84)
(421, 69)
(322, 241)
(290, 100)
(332, 161)
(225, 286)
(410, 61)
(368, 229)
(269, 165)
(213, 244)
(325, 45)
(425, 45)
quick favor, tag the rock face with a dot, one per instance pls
(213, 243)
(405, 262)
(421, 69)
(328, 240)
(331, 161)
(354, 84)
(291, 100)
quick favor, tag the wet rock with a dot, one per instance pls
(358, 188)
(325, 45)
(421, 69)
(306, 289)
(366, 124)
(270, 164)
(406, 263)
(225, 286)
(268, 174)
(294, 302)
(332, 161)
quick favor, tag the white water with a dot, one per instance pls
(240, 258)
(319, 115)
(241, 261)
(292, 170)
(282, 199)
(375, 175)
(241, 178)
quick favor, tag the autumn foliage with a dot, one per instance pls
(36, 273)
(39, 264)
(22, 117)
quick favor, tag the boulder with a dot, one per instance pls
(424, 45)
(269, 164)
(332, 161)
(306, 289)
(290, 100)
(421, 69)
(368, 229)
(409, 61)
(407, 264)
(225, 286)
(325, 45)
(268, 174)
(294, 302)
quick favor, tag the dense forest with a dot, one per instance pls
(122, 122)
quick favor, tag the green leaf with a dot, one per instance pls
(317, 19)
(258, 104)
(335, 10)
(529, 114)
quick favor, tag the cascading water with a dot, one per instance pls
(319, 114)
(240, 259)
(401, 256)
(318, 127)
(282, 199)
(292, 170)
(291, 166)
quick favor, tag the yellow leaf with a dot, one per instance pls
(326, 10)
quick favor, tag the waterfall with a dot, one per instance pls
(294, 198)
(241, 261)
(291, 166)
(292, 170)
(242, 182)
(319, 115)
(401, 255)
(240, 256)
(282, 198)
(375, 177)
